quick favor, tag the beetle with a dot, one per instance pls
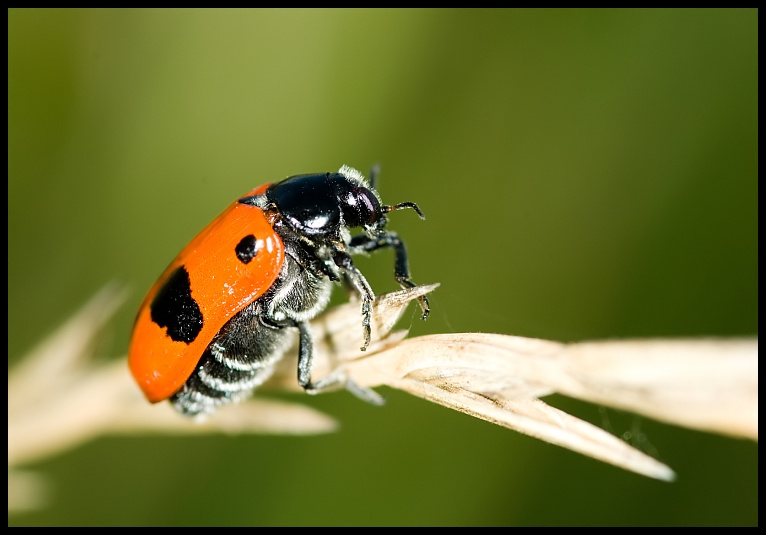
(214, 325)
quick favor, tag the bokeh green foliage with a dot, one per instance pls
(585, 174)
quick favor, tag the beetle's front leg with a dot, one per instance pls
(366, 244)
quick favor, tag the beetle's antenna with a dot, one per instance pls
(373, 177)
(386, 209)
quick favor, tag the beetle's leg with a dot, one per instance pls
(343, 261)
(305, 347)
(305, 354)
(337, 379)
(366, 244)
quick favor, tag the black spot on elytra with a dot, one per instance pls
(173, 307)
(246, 249)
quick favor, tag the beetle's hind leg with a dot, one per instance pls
(334, 380)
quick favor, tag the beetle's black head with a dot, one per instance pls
(320, 205)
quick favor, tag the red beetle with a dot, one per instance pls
(216, 322)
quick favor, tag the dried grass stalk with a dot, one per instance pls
(59, 397)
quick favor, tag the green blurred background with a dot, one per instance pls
(585, 175)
